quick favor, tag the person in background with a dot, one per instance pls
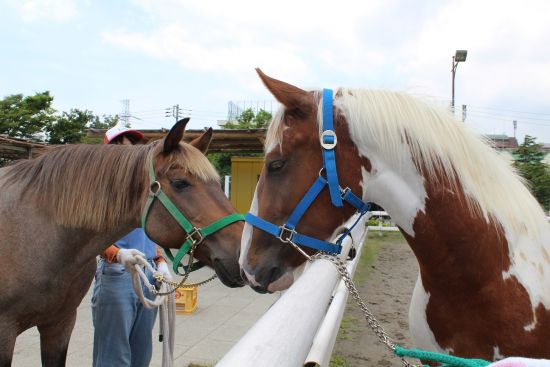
(122, 325)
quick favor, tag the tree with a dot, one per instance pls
(528, 161)
(108, 122)
(246, 120)
(69, 128)
(26, 117)
(249, 120)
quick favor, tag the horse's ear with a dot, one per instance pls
(290, 96)
(203, 142)
(172, 140)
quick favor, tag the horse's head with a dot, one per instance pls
(187, 178)
(293, 161)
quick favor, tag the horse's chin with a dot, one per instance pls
(229, 279)
(284, 282)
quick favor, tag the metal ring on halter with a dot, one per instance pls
(157, 184)
(328, 146)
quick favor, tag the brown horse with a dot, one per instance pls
(59, 211)
(481, 239)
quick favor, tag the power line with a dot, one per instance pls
(506, 110)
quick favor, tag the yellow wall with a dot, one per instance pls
(245, 172)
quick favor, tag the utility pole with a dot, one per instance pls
(515, 128)
(125, 115)
(174, 111)
(463, 112)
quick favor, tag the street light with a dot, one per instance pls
(460, 56)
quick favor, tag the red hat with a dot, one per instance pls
(113, 132)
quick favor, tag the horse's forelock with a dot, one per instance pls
(194, 162)
(274, 135)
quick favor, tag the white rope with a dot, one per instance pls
(165, 303)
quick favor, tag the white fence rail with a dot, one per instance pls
(301, 327)
(383, 217)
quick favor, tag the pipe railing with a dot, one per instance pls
(301, 327)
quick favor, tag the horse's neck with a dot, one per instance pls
(455, 246)
(451, 242)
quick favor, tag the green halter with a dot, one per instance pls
(194, 235)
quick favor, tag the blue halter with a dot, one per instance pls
(287, 233)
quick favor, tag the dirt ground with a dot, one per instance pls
(385, 279)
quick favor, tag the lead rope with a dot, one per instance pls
(444, 360)
(164, 300)
(166, 303)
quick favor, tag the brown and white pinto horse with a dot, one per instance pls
(481, 239)
(59, 211)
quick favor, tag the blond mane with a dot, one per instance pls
(388, 122)
(95, 187)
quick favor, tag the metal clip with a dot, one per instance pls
(300, 250)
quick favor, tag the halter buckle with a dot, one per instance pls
(286, 234)
(343, 192)
(195, 236)
(327, 144)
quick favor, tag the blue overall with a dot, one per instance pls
(122, 325)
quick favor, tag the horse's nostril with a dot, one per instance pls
(269, 276)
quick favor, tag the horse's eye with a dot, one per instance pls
(276, 166)
(179, 184)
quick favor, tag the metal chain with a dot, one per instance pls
(176, 285)
(371, 319)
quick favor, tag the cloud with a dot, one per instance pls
(38, 10)
(375, 44)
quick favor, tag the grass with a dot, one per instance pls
(372, 244)
(338, 361)
(350, 325)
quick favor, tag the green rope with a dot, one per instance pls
(444, 359)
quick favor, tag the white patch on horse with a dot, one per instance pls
(496, 353)
(421, 334)
(401, 194)
(246, 240)
(530, 327)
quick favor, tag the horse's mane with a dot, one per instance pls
(95, 187)
(388, 121)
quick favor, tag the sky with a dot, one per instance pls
(201, 54)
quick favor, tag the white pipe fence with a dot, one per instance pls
(301, 327)
(380, 227)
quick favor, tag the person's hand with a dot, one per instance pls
(129, 257)
(162, 269)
